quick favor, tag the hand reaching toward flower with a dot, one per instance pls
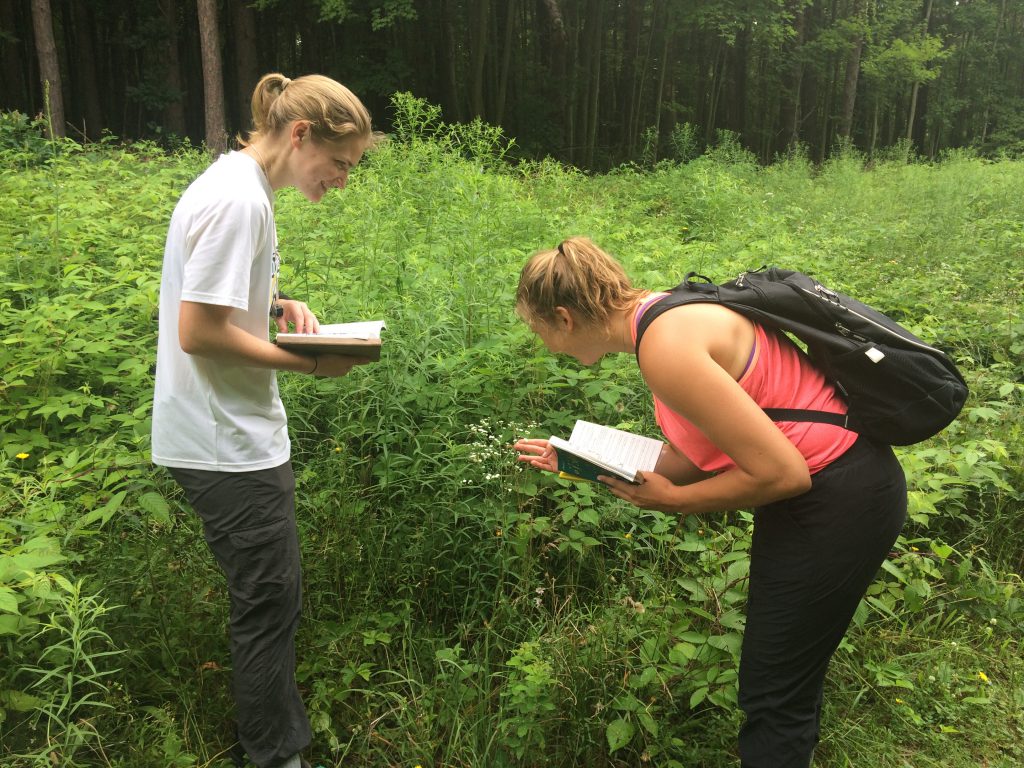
(537, 453)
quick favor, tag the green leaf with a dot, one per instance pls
(730, 642)
(942, 550)
(698, 696)
(103, 514)
(36, 560)
(649, 723)
(17, 701)
(619, 733)
(8, 600)
(694, 637)
(10, 624)
(156, 507)
(682, 653)
(589, 515)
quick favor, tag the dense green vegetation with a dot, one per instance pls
(459, 611)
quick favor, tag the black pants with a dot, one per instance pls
(249, 524)
(812, 559)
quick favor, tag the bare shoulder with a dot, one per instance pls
(695, 323)
(704, 330)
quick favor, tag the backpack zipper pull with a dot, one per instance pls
(828, 295)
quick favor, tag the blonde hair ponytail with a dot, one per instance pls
(576, 275)
(332, 110)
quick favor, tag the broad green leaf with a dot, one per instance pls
(18, 701)
(649, 723)
(36, 560)
(8, 600)
(156, 506)
(619, 733)
(682, 653)
(942, 550)
(102, 514)
(10, 624)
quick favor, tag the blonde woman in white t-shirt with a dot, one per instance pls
(218, 422)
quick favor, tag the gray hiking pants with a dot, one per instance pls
(249, 525)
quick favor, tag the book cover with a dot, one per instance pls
(360, 339)
(593, 449)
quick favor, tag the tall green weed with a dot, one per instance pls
(461, 610)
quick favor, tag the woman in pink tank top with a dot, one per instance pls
(828, 506)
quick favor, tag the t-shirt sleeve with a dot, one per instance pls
(222, 241)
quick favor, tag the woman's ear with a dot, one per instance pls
(563, 319)
(300, 132)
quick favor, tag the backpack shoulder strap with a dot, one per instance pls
(694, 289)
(697, 288)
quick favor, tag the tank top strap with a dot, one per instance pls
(653, 298)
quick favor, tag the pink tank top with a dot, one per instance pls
(778, 375)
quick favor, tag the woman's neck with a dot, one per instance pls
(620, 326)
(265, 156)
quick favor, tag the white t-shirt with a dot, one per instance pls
(221, 249)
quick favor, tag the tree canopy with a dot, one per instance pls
(590, 82)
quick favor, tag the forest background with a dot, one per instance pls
(461, 611)
(594, 83)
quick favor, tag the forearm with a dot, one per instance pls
(205, 330)
(233, 346)
(735, 489)
(691, 492)
(677, 467)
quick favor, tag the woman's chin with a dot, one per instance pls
(316, 193)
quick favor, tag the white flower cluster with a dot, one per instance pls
(490, 447)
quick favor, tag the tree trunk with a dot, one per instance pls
(213, 79)
(479, 52)
(959, 131)
(85, 71)
(826, 112)
(852, 71)
(595, 34)
(246, 69)
(174, 110)
(917, 85)
(988, 94)
(571, 90)
(739, 54)
(791, 115)
(506, 62)
(631, 73)
(557, 56)
(450, 53)
(49, 67)
(660, 95)
(13, 48)
(717, 76)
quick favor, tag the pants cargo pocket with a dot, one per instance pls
(264, 557)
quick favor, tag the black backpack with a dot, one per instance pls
(899, 390)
